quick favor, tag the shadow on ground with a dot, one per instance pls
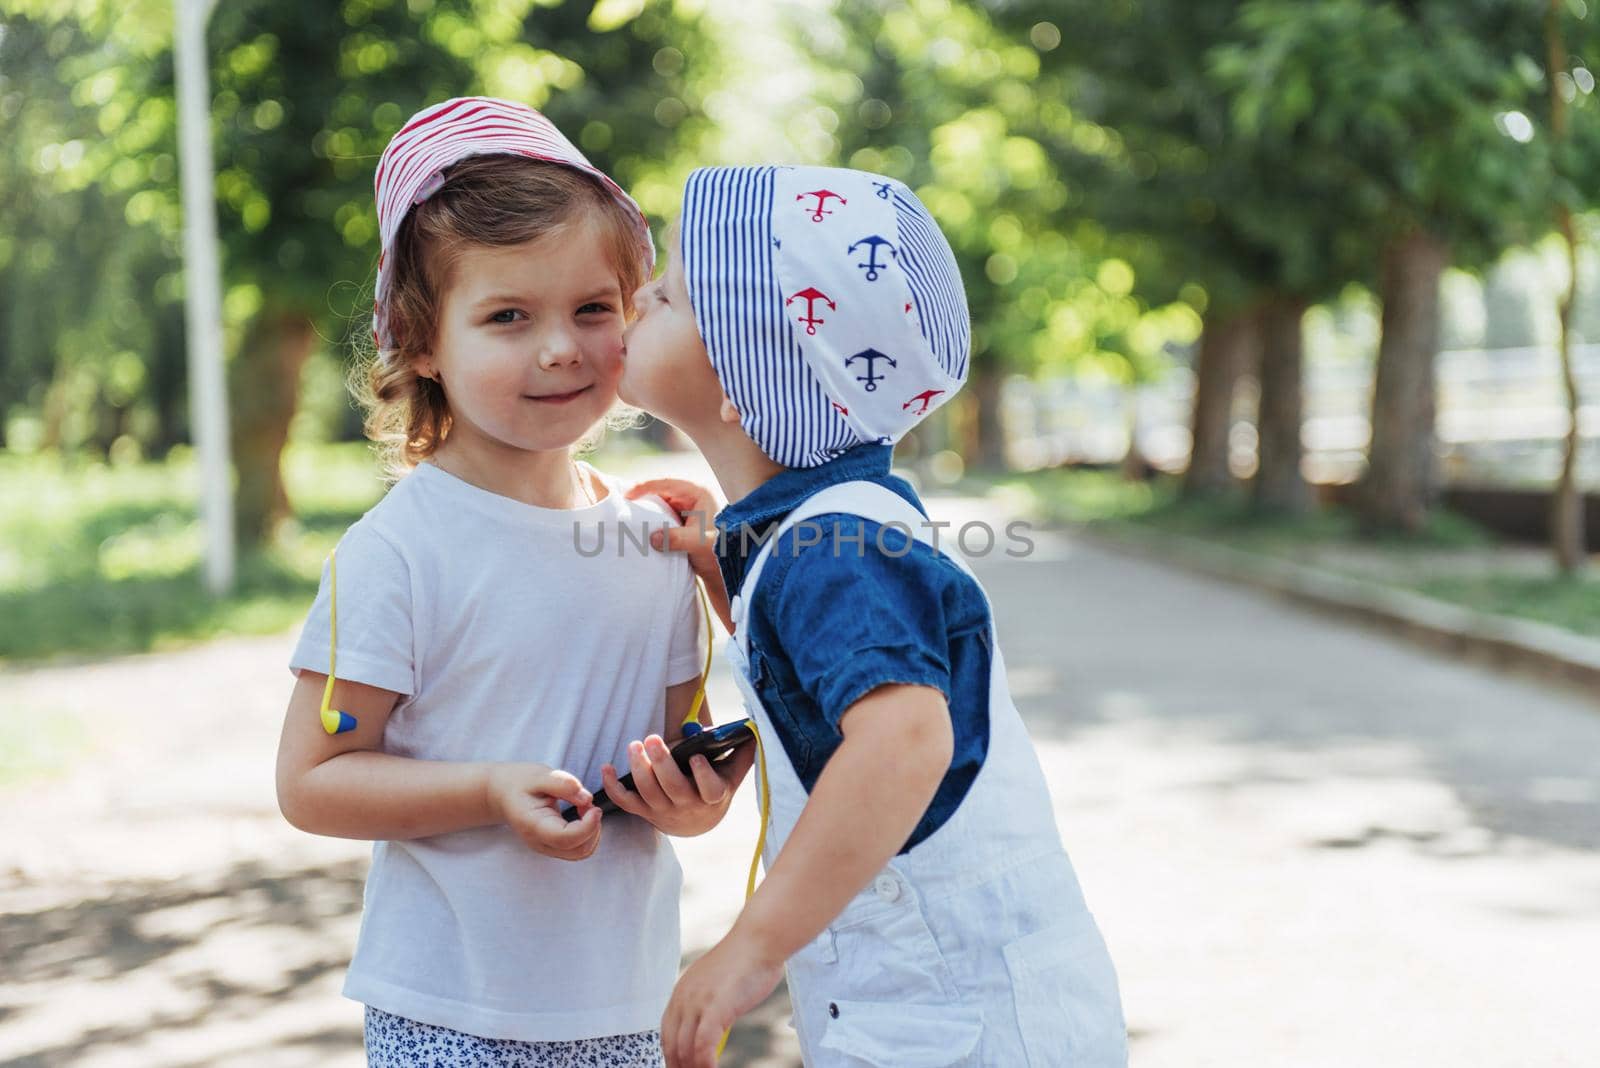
(229, 949)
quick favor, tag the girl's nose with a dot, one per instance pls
(558, 348)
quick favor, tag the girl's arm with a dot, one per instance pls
(898, 743)
(343, 786)
(674, 803)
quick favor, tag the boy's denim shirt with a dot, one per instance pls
(837, 617)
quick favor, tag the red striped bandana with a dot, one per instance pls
(412, 168)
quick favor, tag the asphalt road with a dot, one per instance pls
(1307, 845)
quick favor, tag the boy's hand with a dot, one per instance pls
(527, 798)
(673, 802)
(695, 506)
(729, 981)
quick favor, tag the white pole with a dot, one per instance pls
(208, 401)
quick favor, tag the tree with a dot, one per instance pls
(954, 108)
(1230, 217)
(1398, 100)
(1568, 536)
(305, 97)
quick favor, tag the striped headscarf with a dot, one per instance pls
(412, 168)
(829, 302)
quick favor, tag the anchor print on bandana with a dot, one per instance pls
(822, 196)
(811, 294)
(873, 266)
(883, 190)
(872, 356)
(924, 398)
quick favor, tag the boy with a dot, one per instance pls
(917, 892)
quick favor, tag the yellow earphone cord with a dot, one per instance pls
(335, 722)
(761, 751)
(761, 767)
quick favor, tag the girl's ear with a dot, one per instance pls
(728, 412)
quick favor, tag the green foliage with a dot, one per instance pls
(953, 107)
(101, 558)
(305, 95)
(1399, 103)
(1198, 209)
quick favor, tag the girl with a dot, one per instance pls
(475, 648)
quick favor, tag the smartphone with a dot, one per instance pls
(716, 744)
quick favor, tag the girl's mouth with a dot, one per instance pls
(559, 398)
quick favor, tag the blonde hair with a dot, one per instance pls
(486, 201)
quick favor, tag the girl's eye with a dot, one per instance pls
(594, 308)
(507, 315)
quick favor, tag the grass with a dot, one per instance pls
(1573, 604)
(1453, 559)
(98, 558)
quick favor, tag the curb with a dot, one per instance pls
(1538, 648)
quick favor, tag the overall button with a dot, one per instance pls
(887, 886)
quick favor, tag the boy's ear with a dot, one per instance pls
(728, 412)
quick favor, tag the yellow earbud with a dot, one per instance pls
(333, 720)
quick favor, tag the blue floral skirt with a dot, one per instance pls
(395, 1042)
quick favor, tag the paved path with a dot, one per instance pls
(1307, 846)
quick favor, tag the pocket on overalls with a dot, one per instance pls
(1065, 989)
(897, 1035)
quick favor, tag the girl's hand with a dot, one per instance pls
(527, 798)
(729, 981)
(673, 802)
(695, 506)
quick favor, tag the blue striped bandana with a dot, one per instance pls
(829, 302)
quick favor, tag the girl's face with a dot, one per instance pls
(529, 345)
(668, 372)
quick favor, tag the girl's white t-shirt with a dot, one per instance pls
(514, 633)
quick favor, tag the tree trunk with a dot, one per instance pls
(1567, 513)
(1226, 348)
(265, 381)
(1401, 484)
(169, 381)
(1134, 466)
(991, 433)
(1280, 486)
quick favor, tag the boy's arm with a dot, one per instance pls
(897, 748)
(343, 786)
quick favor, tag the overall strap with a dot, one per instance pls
(868, 500)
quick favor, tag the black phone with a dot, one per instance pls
(716, 744)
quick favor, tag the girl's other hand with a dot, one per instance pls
(528, 797)
(673, 802)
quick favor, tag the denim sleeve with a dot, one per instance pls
(852, 615)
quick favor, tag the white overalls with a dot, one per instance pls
(976, 947)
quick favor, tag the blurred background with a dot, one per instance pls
(1325, 264)
(1312, 283)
